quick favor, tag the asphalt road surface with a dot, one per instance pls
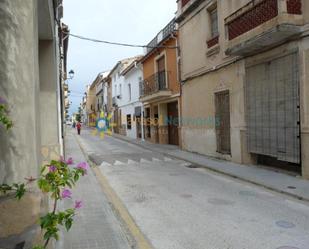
(177, 206)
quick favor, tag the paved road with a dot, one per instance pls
(178, 207)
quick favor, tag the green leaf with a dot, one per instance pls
(20, 191)
(68, 224)
(38, 247)
(44, 185)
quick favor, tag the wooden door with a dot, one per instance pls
(161, 77)
(161, 64)
(172, 110)
(223, 128)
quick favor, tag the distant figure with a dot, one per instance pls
(74, 125)
(78, 126)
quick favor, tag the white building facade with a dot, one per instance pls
(121, 95)
(130, 105)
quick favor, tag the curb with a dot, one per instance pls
(130, 225)
(295, 196)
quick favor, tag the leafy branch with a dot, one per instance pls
(4, 120)
(56, 179)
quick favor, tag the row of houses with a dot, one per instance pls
(226, 79)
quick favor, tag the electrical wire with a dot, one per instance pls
(118, 43)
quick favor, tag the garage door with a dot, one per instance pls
(272, 100)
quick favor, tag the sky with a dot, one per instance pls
(125, 21)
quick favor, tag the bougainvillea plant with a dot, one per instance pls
(4, 120)
(56, 179)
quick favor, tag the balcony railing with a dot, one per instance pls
(294, 7)
(184, 2)
(163, 34)
(155, 83)
(257, 12)
(255, 16)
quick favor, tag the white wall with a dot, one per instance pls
(127, 104)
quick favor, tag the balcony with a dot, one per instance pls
(184, 2)
(213, 41)
(262, 24)
(169, 29)
(185, 7)
(155, 87)
(99, 88)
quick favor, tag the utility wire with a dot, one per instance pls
(118, 43)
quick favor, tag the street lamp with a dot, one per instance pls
(71, 74)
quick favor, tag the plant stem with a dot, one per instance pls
(54, 211)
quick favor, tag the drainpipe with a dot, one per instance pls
(142, 123)
(178, 57)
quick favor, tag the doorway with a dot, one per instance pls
(173, 124)
(223, 128)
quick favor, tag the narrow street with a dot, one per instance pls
(179, 207)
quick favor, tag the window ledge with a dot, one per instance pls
(213, 50)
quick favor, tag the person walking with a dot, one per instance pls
(78, 126)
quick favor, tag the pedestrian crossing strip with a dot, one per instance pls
(144, 161)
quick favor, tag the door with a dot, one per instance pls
(161, 73)
(147, 121)
(223, 128)
(172, 110)
(138, 119)
(273, 118)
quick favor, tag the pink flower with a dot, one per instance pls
(66, 194)
(84, 166)
(2, 101)
(78, 204)
(69, 161)
(52, 168)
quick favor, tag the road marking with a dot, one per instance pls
(144, 161)
(156, 160)
(185, 164)
(167, 159)
(141, 241)
(131, 162)
(103, 164)
(118, 163)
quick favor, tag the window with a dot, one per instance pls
(120, 90)
(129, 90)
(115, 90)
(214, 22)
(129, 124)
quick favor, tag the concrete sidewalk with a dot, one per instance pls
(270, 179)
(96, 226)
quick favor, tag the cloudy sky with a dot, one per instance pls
(125, 21)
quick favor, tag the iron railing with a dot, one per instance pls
(155, 83)
(184, 2)
(162, 35)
